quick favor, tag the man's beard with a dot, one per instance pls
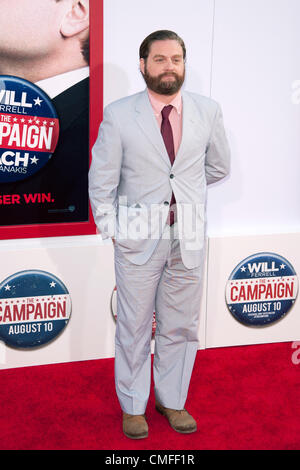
(164, 87)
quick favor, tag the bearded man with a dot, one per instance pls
(155, 154)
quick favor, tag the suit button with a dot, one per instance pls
(171, 176)
(166, 203)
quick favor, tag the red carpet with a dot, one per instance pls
(242, 397)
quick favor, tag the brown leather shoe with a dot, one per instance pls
(135, 426)
(180, 420)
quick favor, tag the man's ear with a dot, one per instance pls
(76, 19)
(142, 66)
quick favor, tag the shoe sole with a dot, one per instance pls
(140, 436)
(181, 431)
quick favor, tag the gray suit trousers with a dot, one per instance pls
(164, 285)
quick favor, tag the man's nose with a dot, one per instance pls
(169, 65)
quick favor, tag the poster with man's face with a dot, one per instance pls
(47, 56)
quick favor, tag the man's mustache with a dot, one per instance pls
(168, 74)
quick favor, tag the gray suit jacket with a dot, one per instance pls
(131, 178)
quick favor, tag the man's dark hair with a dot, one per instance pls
(160, 35)
(85, 49)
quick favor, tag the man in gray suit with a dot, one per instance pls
(154, 156)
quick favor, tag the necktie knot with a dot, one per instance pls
(166, 111)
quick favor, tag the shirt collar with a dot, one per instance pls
(158, 105)
(53, 86)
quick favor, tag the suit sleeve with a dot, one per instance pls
(217, 162)
(104, 175)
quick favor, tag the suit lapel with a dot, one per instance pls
(190, 125)
(146, 120)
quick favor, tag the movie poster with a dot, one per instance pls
(50, 72)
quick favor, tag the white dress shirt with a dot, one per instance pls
(53, 86)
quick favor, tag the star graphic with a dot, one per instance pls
(52, 123)
(282, 266)
(243, 269)
(15, 119)
(52, 284)
(37, 101)
(7, 287)
(45, 123)
(34, 160)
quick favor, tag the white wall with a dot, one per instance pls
(246, 55)
(127, 23)
(256, 60)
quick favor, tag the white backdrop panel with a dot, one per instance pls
(85, 266)
(222, 329)
(127, 23)
(256, 62)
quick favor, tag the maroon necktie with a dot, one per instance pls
(167, 134)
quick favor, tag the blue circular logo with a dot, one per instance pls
(35, 306)
(261, 289)
(29, 129)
